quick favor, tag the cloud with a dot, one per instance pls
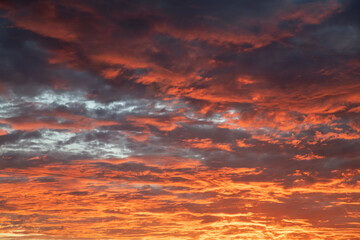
(179, 119)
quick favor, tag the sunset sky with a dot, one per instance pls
(179, 119)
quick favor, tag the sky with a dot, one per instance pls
(179, 119)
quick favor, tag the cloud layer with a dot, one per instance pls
(179, 119)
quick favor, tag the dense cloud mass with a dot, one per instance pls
(171, 119)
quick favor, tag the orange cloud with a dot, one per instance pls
(56, 120)
(309, 156)
(3, 132)
(207, 143)
(162, 124)
(242, 143)
(259, 140)
(65, 200)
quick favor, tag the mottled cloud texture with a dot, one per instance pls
(169, 119)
